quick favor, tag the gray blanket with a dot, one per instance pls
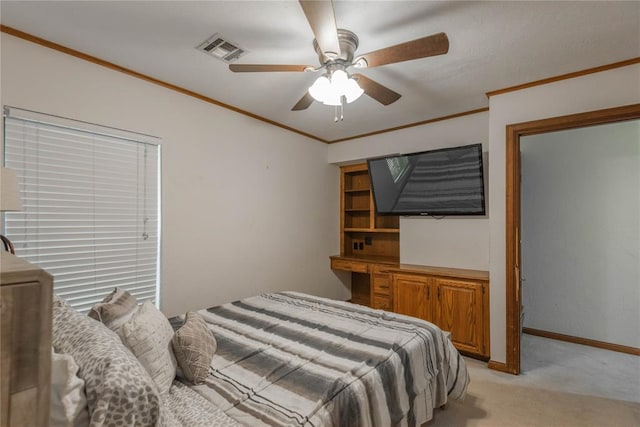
(294, 359)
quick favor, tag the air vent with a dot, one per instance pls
(221, 49)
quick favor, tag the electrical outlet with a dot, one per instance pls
(368, 240)
(355, 246)
(361, 245)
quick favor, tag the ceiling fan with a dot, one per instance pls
(336, 51)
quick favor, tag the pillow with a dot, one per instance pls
(148, 335)
(119, 389)
(115, 310)
(68, 399)
(194, 346)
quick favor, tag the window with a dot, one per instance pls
(90, 205)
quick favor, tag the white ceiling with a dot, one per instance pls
(493, 45)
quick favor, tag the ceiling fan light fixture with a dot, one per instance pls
(330, 90)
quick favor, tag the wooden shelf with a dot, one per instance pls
(371, 230)
(364, 233)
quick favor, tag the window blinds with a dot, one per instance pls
(91, 205)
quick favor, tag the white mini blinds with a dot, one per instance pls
(91, 205)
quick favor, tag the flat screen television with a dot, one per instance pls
(448, 181)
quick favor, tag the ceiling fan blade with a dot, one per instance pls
(304, 102)
(436, 44)
(322, 21)
(375, 90)
(252, 68)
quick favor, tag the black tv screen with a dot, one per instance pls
(448, 181)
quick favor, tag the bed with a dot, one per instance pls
(291, 359)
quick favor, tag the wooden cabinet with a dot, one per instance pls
(412, 295)
(25, 309)
(460, 310)
(457, 300)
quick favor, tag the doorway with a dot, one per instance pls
(513, 208)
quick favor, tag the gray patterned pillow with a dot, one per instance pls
(194, 347)
(148, 335)
(115, 310)
(119, 390)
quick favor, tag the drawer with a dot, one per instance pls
(381, 269)
(348, 265)
(382, 303)
(381, 284)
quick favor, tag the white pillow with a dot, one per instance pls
(148, 335)
(68, 399)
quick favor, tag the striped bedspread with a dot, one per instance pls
(294, 359)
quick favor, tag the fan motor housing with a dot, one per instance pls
(348, 45)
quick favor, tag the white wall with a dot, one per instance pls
(612, 88)
(460, 242)
(581, 232)
(246, 207)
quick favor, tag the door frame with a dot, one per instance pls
(514, 133)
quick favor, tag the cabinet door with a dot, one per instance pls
(460, 311)
(412, 295)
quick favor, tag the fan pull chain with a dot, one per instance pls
(337, 119)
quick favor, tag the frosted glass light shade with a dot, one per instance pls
(352, 91)
(320, 89)
(330, 90)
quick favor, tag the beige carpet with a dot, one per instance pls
(492, 404)
(542, 396)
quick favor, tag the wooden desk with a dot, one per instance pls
(370, 283)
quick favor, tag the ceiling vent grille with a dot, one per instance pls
(221, 49)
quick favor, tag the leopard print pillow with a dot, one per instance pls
(119, 389)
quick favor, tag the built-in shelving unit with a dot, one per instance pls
(363, 233)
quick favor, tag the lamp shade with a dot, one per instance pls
(9, 193)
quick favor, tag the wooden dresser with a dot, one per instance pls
(25, 343)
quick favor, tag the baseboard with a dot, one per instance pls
(584, 341)
(474, 355)
(499, 366)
